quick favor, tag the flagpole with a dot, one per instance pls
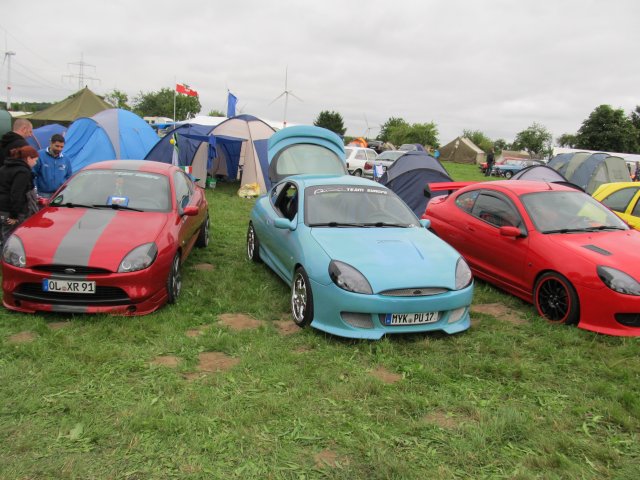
(175, 82)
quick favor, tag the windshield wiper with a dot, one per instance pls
(74, 205)
(115, 206)
(337, 224)
(386, 224)
(584, 229)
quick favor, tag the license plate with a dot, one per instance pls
(410, 318)
(68, 286)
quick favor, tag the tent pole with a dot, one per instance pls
(175, 82)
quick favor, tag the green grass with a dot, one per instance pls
(502, 400)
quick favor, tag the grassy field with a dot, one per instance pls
(188, 393)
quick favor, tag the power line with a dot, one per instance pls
(81, 75)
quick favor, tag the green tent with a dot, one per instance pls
(83, 103)
(5, 122)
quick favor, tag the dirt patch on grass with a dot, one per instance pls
(196, 332)
(22, 337)
(58, 325)
(441, 419)
(499, 311)
(239, 321)
(329, 458)
(302, 349)
(204, 267)
(385, 375)
(170, 361)
(212, 362)
(286, 327)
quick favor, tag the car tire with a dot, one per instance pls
(301, 298)
(253, 244)
(508, 175)
(203, 234)
(556, 299)
(357, 173)
(174, 280)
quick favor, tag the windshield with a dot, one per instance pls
(308, 158)
(355, 206)
(562, 212)
(390, 155)
(116, 188)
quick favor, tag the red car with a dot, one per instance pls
(112, 239)
(550, 245)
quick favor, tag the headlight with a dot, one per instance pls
(139, 258)
(463, 274)
(348, 278)
(13, 252)
(618, 281)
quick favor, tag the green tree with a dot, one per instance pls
(500, 145)
(160, 104)
(479, 139)
(118, 99)
(568, 140)
(388, 125)
(331, 121)
(536, 140)
(608, 129)
(422, 133)
(216, 113)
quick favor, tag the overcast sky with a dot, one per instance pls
(490, 65)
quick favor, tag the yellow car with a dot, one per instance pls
(622, 198)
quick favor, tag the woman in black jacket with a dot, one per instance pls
(17, 197)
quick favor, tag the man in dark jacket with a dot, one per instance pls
(22, 129)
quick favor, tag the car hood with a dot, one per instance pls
(87, 237)
(618, 249)
(392, 258)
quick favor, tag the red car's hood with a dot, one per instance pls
(618, 249)
(87, 237)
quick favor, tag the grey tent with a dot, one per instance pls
(542, 173)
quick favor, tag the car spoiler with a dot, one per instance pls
(448, 187)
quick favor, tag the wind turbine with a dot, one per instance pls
(8, 55)
(286, 94)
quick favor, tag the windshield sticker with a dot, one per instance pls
(348, 189)
(118, 200)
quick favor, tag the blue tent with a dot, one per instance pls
(42, 135)
(409, 174)
(113, 134)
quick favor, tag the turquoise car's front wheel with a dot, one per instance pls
(301, 298)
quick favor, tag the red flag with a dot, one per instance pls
(182, 88)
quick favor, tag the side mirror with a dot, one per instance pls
(284, 224)
(426, 223)
(43, 202)
(190, 211)
(509, 231)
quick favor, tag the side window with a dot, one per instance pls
(496, 211)
(371, 155)
(636, 209)
(466, 200)
(183, 192)
(360, 155)
(287, 201)
(619, 200)
(275, 193)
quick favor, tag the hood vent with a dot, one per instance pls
(599, 250)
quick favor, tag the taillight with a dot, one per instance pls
(368, 166)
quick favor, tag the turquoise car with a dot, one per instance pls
(359, 262)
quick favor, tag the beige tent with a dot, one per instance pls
(462, 150)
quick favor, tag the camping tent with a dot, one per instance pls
(83, 103)
(236, 148)
(542, 173)
(590, 170)
(462, 150)
(109, 135)
(42, 135)
(409, 174)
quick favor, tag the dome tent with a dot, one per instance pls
(113, 134)
(42, 135)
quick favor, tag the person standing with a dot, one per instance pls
(490, 161)
(17, 137)
(52, 169)
(17, 196)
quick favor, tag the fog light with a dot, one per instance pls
(456, 314)
(358, 320)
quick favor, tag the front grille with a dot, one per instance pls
(358, 320)
(628, 319)
(79, 270)
(33, 292)
(414, 292)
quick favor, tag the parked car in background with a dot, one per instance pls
(384, 160)
(548, 244)
(359, 262)
(357, 157)
(510, 167)
(111, 240)
(623, 198)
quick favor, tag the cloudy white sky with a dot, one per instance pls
(490, 65)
